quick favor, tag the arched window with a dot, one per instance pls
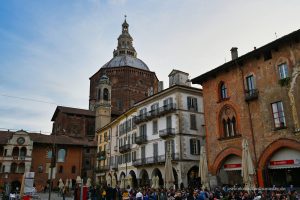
(105, 94)
(73, 169)
(223, 91)
(21, 168)
(13, 168)
(61, 155)
(23, 153)
(15, 152)
(228, 123)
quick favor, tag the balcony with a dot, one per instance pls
(251, 94)
(155, 113)
(102, 169)
(153, 160)
(124, 148)
(169, 132)
(140, 139)
(101, 155)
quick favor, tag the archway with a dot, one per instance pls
(109, 180)
(23, 153)
(134, 179)
(122, 180)
(193, 177)
(230, 171)
(156, 172)
(144, 178)
(283, 168)
(15, 186)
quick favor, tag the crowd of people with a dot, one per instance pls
(147, 193)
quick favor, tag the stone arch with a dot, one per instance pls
(134, 179)
(269, 151)
(157, 172)
(275, 146)
(144, 178)
(222, 155)
(15, 152)
(193, 176)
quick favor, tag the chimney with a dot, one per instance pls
(160, 86)
(234, 53)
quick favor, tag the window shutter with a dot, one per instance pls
(196, 104)
(188, 102)
(191, 147)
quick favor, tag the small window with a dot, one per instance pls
(278, 115)
(223, 91)
(250, 83)
(267, 55)
(283, 71)
(192, 104)
(194, 147)
(119, 104)
(193, 125)
(73, 169)
(49, 154)
(61, 155)
(105, 94)
(155, 127)
(61, 169)
(40, 169)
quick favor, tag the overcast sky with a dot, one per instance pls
(50, 48)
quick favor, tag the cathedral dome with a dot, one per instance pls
(125, 54)
(126, 60)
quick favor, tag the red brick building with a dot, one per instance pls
(32, 152)
(255, 96)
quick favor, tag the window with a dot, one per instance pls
(143, 130)
(169, 122)
(134, 156)
(87, 150)
(61, 155)
(250, 83)
(168, 101)
(73, 169)
(223, 91)
(143, 111)
(278, 115)
(119, 104)
(49, 154)
(228, 124)
(192, 103)
(40, 169)
(105, 94)
(283, 71)
(155, 150)
(155, 127)
(193, 125)
(61, 169)
(154, 109)
(194, 146)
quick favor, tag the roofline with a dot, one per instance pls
(204, 77)
(178, 71)
(59, 107)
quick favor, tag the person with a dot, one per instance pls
(63, 192)
(139, 196)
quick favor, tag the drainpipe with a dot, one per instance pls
(250, 117)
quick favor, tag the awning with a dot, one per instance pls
(284, 159)
(232, 163)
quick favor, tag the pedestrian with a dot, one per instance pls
(63, 192)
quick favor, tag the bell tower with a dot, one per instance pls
(103, 102)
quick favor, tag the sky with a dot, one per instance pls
(50, 48)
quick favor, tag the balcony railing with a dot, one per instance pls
(102, 169)
(140, 139)
(168, 132)
(251, 94)
(153, 160)
(124, 148)
(155, 113)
